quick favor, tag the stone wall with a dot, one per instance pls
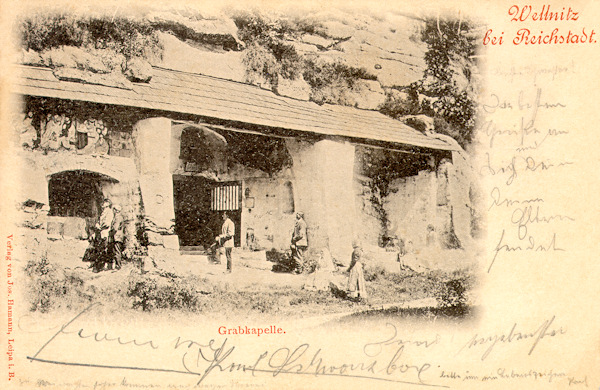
(271, 217)
(430, 211)
(368, 225)
(54, 140)
(307, 193)
(319, 184)
(53, 128)
(461, 184)
(337, 168)
(411, 207)
(135, 170)
(119, 185)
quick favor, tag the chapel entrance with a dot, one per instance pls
(199, 203)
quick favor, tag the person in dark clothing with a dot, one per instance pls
(116, 237)
(102, 255)
(299, 242)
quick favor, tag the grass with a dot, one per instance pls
(52, 288)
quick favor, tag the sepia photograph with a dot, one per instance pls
(249, 162)
(299, 195)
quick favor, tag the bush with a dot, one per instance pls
(451, 292)
(49, 287)
(330, 82)
(151, 292)
(284, 261)
(451, 64)
(374, 273)
(260, 64)
(396, 107)
(264, 303)
(311, 261)
(123, 35)
(268, 54)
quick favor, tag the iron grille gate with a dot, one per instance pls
(226, 197)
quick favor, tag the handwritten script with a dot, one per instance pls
(388, 356)
(520, 133)
(204, 359)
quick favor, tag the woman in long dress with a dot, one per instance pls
(357, 287)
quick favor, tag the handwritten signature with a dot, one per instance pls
(201, 359)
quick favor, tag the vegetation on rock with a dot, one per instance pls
(450, 77)
(125, 36)
(270, 53)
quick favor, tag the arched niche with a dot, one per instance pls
(76, 193)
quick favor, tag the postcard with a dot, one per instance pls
(300, 195)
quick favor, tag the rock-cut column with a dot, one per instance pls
(324, 191)
(336, 166)
(152, 138)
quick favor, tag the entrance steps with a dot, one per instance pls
(192, 251)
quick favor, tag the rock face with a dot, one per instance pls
(91, 60)
(368, 94)
(138, 70)
(387, 47)
(29, 57)
(179, 55)
(211, 30)
(298, 89)
(90, 66)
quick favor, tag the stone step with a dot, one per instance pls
(192, 250)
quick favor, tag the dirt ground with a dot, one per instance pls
(193, 284)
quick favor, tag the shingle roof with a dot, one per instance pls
(207, 96)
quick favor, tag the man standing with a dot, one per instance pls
(117, 235)
(225, 239)
(103, 226)
(299, 242)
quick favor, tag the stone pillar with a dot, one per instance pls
(336, 168)
(459, 184)
(324, 191)
(306, 187)
(153, 138)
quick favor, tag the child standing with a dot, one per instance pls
(357, 287)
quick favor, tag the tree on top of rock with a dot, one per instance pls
(451, 76)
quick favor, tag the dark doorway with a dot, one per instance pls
(199, 203)
(75, 194)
